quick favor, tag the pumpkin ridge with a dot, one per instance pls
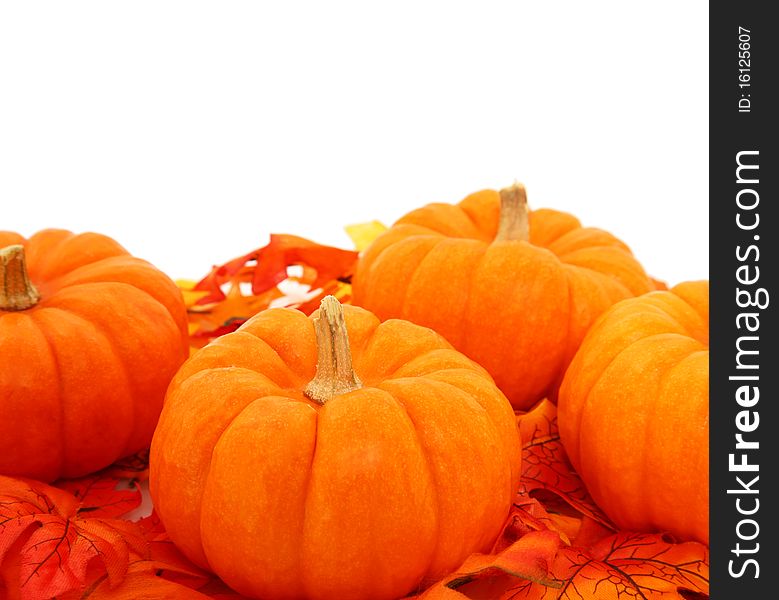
(59, 442)
(600, 277)
(413, 273)
(125, 372)
(587, 405)
(174, 403)
(358, 350)
(443, 214)
(307, 491)
(469, 403)
(394, 377)
(476, 225)
(127, 381)
(432, 234)
(79, 250)
(467, 308)
(569, 352)
(661, 308)
(209, 468)
(675, 319)
(147, 313)
(428, 469)
(609, 274)
(519, 248)
(83, 273)
(293, 381)
(52, 298)
(608, 241)
(228, 368)
(650, 505)
(56, 363)
(33, 243)
(551, 225)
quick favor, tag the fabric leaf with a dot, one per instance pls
(55, 549)
(545, 464)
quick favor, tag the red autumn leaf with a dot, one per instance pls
(135, 467)
(266, 267)
(528, 514)
(287, 250)
(164, 572)
(51, 549)
(482, 576)
(221, 302)
(101, 496)
(545, 464)
(140, 582)
(620, 566)
(113, 492)
(625, 566)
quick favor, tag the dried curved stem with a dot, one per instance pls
(17, 292)
(513, 224)
(334, 372)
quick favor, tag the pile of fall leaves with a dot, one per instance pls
(77, 539)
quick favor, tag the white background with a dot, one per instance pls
(190, 130)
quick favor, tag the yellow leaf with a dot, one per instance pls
(362, 234)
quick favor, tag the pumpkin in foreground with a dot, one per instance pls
(513, 289)
(633, 412)
(332, 457)
(90, 337)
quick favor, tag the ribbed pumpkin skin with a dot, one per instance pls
(520, 309)
(85, 370)
(362, 497)
(633, 412)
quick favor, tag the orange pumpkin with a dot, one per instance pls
(350, 462)
(513, 289)
(633, 412)
(89, 340)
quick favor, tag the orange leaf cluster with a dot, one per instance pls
(231, 293)
(73, 541)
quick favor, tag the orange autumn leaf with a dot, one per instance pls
(233, 292)
(164, 572)
(528, 514)
(483, 576)
(140, 582)
(620, 566)
(267, 266)
(113, 492)
(625, 566)
(135, 467)
(545, 465)
(101, 496)
(50, 548)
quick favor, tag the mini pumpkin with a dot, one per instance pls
(513, 289)
(633, 412)
(332, 457)
(90, 337)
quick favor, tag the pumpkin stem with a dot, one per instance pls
(334, 372)
(513, 224)
(16, 290)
